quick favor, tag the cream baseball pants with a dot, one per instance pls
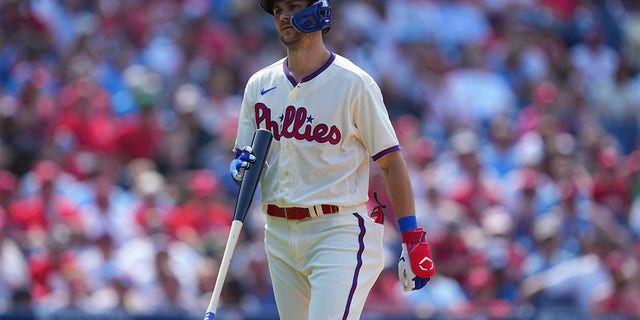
(324, 267)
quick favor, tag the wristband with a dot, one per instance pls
(407, 223)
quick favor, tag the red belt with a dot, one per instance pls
(296, 213)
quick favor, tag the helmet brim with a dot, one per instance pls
(267, 6)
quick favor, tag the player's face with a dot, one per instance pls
(282, 12)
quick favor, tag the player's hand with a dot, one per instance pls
(416, 265)
(243, 160)
(209, 316)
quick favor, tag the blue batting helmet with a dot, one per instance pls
(315, 17)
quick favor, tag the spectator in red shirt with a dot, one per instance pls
(47, 213)
(140, 135)
(86, 116)
(475, 190)
(482, 287)
(624, 298)
(51, 268)
(8, 187)
(611, 184)
(451, 250)
(203, 213)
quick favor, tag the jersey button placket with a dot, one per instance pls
(287, 180)
(286, 174)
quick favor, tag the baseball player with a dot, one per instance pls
(328, 119)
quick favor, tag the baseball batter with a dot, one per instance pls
(328, 119)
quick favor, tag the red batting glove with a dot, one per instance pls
(416, 266)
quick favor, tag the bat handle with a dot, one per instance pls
(234, 233)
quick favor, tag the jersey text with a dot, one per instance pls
(296, 124)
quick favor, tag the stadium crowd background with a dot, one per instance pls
(519, 119)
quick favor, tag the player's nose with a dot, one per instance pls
(285, 14)
(284, 18)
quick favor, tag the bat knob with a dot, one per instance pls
(209, 316)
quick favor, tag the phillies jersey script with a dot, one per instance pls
(320, 126)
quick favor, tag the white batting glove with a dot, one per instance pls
(416, 266)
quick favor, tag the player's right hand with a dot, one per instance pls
(243, 160)
(416, 266)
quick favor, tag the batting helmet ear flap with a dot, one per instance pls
(313, 18)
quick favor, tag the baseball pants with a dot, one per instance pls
(324, 267)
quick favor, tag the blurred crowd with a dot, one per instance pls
(519, 119)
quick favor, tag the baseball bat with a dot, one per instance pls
(260, 147)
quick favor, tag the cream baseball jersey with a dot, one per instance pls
(320, 127)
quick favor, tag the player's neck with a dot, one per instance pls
(305, 60)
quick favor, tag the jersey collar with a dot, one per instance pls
(310, 76)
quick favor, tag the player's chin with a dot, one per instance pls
(287, 42)
(289, 37)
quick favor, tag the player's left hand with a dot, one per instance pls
(243, 159)
(416, 265)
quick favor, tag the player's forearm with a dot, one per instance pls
(399, 189)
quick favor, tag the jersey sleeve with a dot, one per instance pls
(247, 120)
(373, 123)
